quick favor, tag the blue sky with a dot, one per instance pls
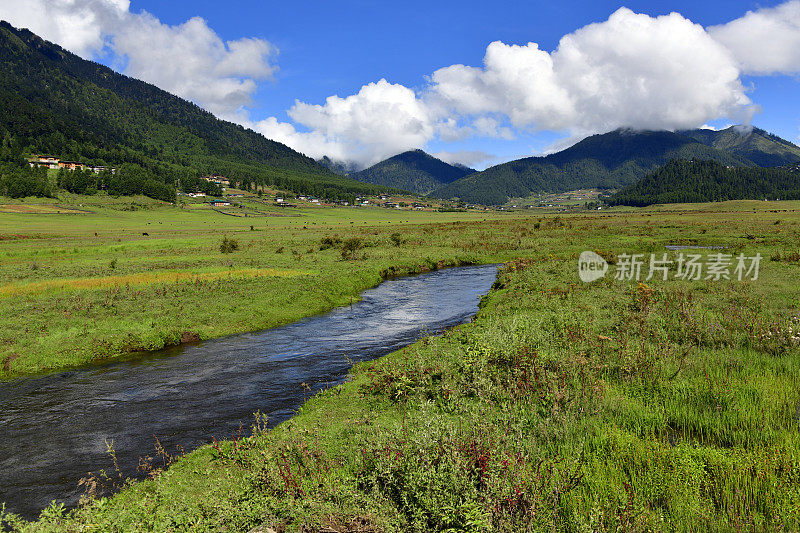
(319, 49)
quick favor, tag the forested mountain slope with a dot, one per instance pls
(54, 102)
(709, 181)
(414, 171)
(613, 160)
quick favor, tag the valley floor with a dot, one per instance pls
(117, 277)
(621, 404)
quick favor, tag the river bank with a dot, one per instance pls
(184, 397)
(96, 289)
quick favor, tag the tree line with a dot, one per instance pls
(709, 181)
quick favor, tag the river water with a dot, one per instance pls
(53, 428)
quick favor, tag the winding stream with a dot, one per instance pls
(53, 428)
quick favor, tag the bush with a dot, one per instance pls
(228, 245)
(330, 242)
(351, 246)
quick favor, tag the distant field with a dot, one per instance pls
(39, 209)
(553, 201)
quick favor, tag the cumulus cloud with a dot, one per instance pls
(191, 60)
(188, 59)
(379, 121)
(517, 81)
(313, 143)
(632, 70)
(766, 41)
(80, 26)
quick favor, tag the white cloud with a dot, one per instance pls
(379, 121)
(766, 41)
(191, 60)
(77, 25)
(188, 59)
(631, 71)
(517, 81)
(313, 144)
(468, 158)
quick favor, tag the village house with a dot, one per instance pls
(71, 165)
(97, 169)
(55, 163)
(219, 203)
(219, 180)
(44, 161)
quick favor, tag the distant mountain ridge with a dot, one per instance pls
(617, 159)
(54, 102)
(759, 146)
(414, 171)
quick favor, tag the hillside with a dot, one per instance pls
(53, 102)
(613, 160)
(337, 167)
(414, 171)
(709, 181)
(761, 147)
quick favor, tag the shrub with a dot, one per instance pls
(351, 246)
(330, 242)
(228, 245)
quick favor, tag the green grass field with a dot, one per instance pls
(91, 286)
(616, 405)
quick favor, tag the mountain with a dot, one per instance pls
(709, 181)
(413, 171)
(342, 168)
(616, 159)
(761, 147)
(53, 102)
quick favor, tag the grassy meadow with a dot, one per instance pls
(121, 276)
(564, 406)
